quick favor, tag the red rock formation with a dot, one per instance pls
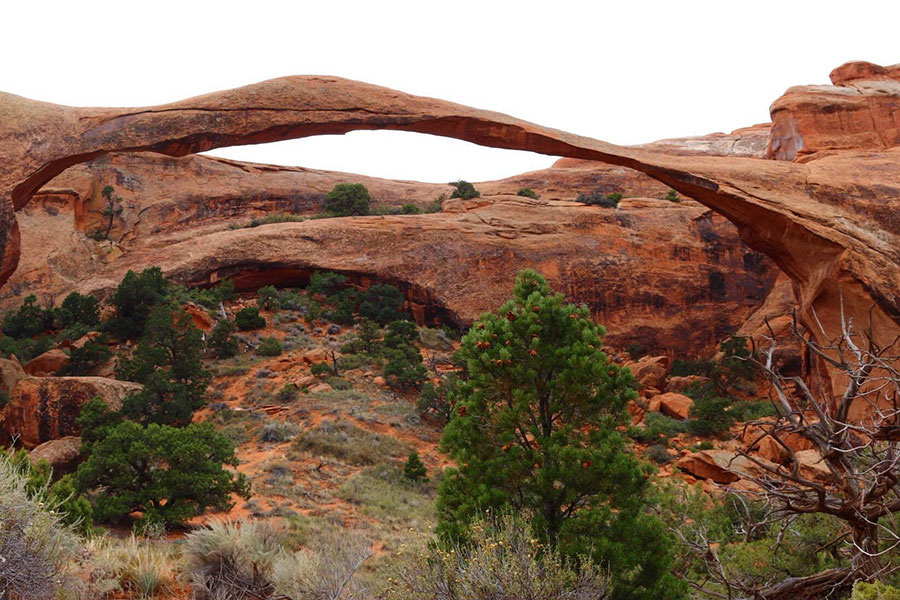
(47, 363)
(798, 214)
(45, 408)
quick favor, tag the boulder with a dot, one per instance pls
(812, 466)
(319, 387)
(45, 408)
(11, 372)
(200, 317)
(63, 454)
(674, 405)
(679, 383)
(768, 448)
(47, 363)
(650, 371)
(316, 356)
(721, 466)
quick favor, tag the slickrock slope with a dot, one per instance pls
(828, 224)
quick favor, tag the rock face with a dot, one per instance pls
(860, 111)
(45, 408)
(62, 455)
(11, 373)
(47, 363)
(671, 404)
(668, 276)
(830, 223)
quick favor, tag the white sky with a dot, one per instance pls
(626, 71)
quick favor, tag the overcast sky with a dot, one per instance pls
(626, 72)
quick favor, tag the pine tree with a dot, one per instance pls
(534, 429)
(414, 469)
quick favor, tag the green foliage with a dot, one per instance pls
(874, 591)
(221, 342)
(343, 306)
(85, 359)
(534, 427)
(464, 190)
(709, 414)
(658, 454)
(527, 193)
(749, 410)
(403, 367)
(167, 361)
(133, 300)
(288, 393)
(320, 369)
(635, 350)
(112, 209)
(313, 312)
(413, 468)
(598, 198)
(400, 333)
(325, 283)
(366, 337)
(210, 298)
(347, 199)
(248, 318)
(434, 400)
(26, 348)
(381, 303)
(169, 474)
(657, 429)
(349, 443)
(409, 209)
(267, 298)
(28, 320)
(672, 196)
(269, 346)
(435, 205)
(76, 309)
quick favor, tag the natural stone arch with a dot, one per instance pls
(777, 206)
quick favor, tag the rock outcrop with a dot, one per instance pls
(45, 408)
(63, 455)
(829, 223)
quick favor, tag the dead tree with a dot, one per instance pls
(855, 433)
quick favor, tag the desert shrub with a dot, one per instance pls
(658, 428)
(287, 393)
(709, 415)
(598, 198)
(527, 193)
(35, 545)
(343, 306)
(403, 368)
(413, 468)
(748, 410)
(502, 560)
(347, 199)
(269, 346)
(221, 342)
(350, 361)
(26, 348)
(320, 369)
(409, 209)
(248, 319)
(434, 400)
(139, 567)
(169, 474)
(703, 367)
(435, 205)
(464, 189)
(223, 559)
(267, 298)
(435, 339)
(276, 432)
(85, 359)
(658, 454)
(347, 442)
(672, 196)
(133, 300)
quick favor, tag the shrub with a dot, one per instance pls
(749, 410)
(349, 443)
(413, 469)
(435, 205)
(598, 198)
(464, 190)
(35, 545)
(502, 560)
(325, 283)
(139, 567)
(874, 591)
(221, 342)
(28, 320)
(85, 359)
(76, 309)
(267, 298)
(672, 196)
(709, 414)
(435, 399)
(168, 474)
(133, 300)
(658, 454)
(26, 348)
(347, 199)
(269, 346)
(527, 193)
(287, 393)
(409, 209)
(658, 428)
(320, 369)
(248, 319)
(403, 368)
(276, 432)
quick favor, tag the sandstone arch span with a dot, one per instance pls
(798, 214)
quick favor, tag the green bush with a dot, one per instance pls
(464, 190)
(320, 369)
(248, 319)
(527, 193)
(658, 428)
(221, 342)
(382, 303)
(874, 591)
(349, 443)
(288, 393)
(672, 196)
(76, 309)
(169, 474)
(325, 283)
(749, 410)
(403, 368)
(709, 415)
(267, 298)
(269, 346)
(347, 199)
(434, 400)
(26, 348)
(658, 454)
(409, 209)
(598, 198)
(28, 320)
